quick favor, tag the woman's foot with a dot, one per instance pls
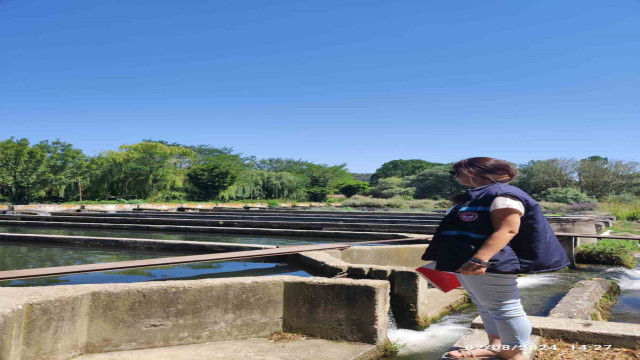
(471, 354)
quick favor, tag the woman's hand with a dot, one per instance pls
(471, 268)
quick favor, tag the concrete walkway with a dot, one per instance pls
(254, 349)
(440, 303)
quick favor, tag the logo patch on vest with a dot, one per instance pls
(468, 216)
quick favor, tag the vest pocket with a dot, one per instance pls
(464, 249)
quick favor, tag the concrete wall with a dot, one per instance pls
(410, 299)
(62, 322)
(582, 301)
(156, 206)
(389, 255)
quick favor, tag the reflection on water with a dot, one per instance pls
(169, 235)
(213, 269)
(15, 256)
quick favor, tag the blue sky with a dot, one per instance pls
(357, 82)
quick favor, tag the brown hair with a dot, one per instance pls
(485, 167)
(498, 171)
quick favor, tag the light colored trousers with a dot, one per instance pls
(498, 301)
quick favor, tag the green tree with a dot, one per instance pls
(209, 179)
(566, 195)
(283, 165)
(66, 169)
(22, 171)
(260, 184)
(400, 168)
(538, 175)
(598, 176)
(393, 186)
(139, 170)
(435, 183)
(352, 188)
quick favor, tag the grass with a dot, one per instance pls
(609, 252)
(623, 211)
(602, 311)
(625, 227)
(389, 349)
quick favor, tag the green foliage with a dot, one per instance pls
(211, 178)
(352, 188)
(66, 169)
(318, 194)
(623, 211)
(389, 349)
(624, 198)
(566, 195)
(392, 187)
(600, 176)
(167, 196)
(625, 228)
(260, 184)
(273, 204)
(23, 171)
(400, 168)
(141, 169)
(436, 182)
(610, 252)
(538, 175)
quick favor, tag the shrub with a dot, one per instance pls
(566, 195)
(610, 252)
(554, 206)
(273, 204)
(391, 187)
(625, 198)
(442, 204)
(318, 194)
(168, 196)
(583, 206)
(623, 211)
(353, 188)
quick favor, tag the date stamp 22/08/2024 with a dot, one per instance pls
(579, 347)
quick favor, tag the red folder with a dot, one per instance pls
(445, 281)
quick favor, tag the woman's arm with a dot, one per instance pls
(506, 223)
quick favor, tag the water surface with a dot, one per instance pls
(170, 235)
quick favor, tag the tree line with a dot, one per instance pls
(565, 180)
(55, 171)
(158, 171)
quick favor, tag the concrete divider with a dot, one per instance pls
(299, 225)
(582, 301)
(343, 235)
(574, 225)
(413, 303)
(62, 322)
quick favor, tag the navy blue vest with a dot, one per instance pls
(463, 231)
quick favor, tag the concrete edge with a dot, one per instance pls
(584, 299)
(218, 230)
(582, 331)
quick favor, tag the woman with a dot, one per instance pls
(494, 232)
